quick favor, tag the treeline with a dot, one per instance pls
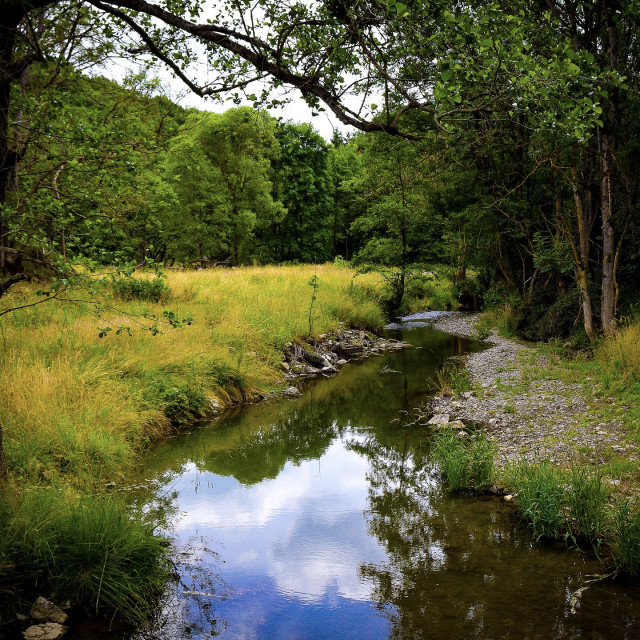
(116, 174)
(109, 175)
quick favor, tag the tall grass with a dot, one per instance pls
(465, 463)
(540, 489)
(626, 538)
(619, 355)
(88, 550)
(71, 401)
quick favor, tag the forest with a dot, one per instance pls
(491, 163)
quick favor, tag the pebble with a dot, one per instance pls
(526, 416)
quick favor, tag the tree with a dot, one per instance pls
(301, 183)
(219, 167)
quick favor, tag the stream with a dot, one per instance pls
(323, 517)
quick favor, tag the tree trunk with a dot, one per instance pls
(608, 313)
(582, 254)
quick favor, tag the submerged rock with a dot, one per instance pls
(45, 611)
(45, 631)
(292, 392)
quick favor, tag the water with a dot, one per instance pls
(323, 518)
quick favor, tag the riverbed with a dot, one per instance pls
(323, 517)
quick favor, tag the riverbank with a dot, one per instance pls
(534, 407)
(91, 379)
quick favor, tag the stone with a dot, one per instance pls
(508, 497)
(341, 362)
(292, 392)
(439, 418)
(44, 610)
(285, 366)
(45, 631)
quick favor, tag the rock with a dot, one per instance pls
(285, 366)
(508, 497)
(21, 618)
(329, 369)
(467, 394)
(45, 611)
(292, 392)
(439, 418)
(341, 362)
(45, 631)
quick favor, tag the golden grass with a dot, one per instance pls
(620, 353)
(72, 403)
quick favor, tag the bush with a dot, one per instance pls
(550, 316)
(139, 289)
(183, 403)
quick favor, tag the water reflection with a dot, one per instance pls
(322, 518)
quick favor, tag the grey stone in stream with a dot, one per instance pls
(341, 362)
(292, 392)
(46, 631)
(439, 418)
(45, 611)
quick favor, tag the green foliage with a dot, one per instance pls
(465, 463)
(219, 166)
(540, 489)
(550, 315)
(92, 550)
(626, 538)
(130, 288)
(182, 403)
(302, 183)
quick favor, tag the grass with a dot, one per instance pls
(465, 463)
(451, 379)
(76, 408)
(71, 401)
(85, 549)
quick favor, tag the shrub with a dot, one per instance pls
(140, 289)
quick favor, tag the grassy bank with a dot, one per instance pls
(86, 385)
(565, 498)
(571, 504)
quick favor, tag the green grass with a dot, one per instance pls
(587, 501)
(626, 538)
(465, 463)
(86, 549)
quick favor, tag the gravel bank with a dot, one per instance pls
(527, 414)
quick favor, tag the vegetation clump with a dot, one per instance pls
(465, 463)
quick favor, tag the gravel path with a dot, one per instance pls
(527, 413)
